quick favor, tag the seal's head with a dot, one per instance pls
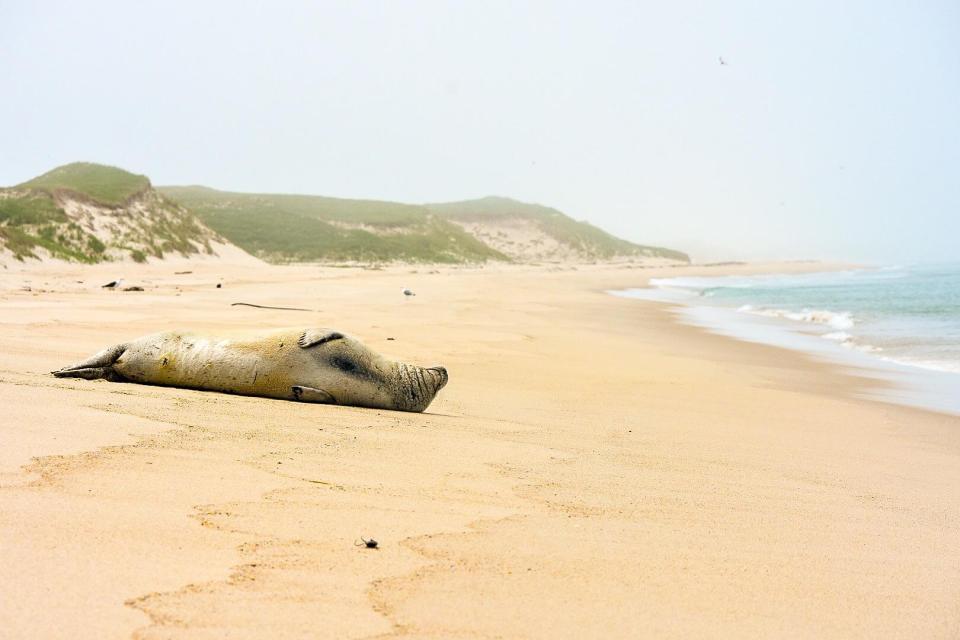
(348, 372)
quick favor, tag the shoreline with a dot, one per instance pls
(896, 382)
(688, 483)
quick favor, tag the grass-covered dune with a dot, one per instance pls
(102, 184)
(85, 212)
(290, 228)
(299, 228)
(581, 238)
(91, 213)
(30, 222)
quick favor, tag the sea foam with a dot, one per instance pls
(833, 319)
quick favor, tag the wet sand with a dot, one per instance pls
(593, 469)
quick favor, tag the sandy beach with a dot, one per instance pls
(593, 469)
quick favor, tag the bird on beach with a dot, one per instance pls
(408, 293)
(113, 285)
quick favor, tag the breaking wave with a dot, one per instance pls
(833, 319)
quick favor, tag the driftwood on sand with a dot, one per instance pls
(263, 306)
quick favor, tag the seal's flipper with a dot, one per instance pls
(102, 361)
(309, 394)
(90, 373)
(313, 337)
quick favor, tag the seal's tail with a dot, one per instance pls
(96, 367)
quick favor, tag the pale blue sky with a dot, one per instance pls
(832, 132)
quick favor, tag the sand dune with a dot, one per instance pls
(593, 469)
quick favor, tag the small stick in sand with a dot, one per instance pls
(263, 306)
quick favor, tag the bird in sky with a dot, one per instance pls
(723, 62)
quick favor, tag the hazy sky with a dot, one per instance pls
(832, 132)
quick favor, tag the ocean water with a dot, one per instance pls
(897, 323)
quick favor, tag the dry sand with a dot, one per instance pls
(593, 469)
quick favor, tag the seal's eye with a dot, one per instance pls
(345, 364)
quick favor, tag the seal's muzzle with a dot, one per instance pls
(440, 377)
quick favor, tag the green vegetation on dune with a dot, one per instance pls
(292, 228)
(29, 208)
(103, 184)
(582, 236)
(375, 213)
(285, 228)
(90, 213)
(33, 221)
(130, 217)
(168, 229)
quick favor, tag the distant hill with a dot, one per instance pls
(526, 232)
(298, 228)
(90, 213)
(86, 212)
(289, 228)
(105, 185)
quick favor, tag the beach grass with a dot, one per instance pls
(293, 228)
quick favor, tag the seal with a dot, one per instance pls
(312, 365)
